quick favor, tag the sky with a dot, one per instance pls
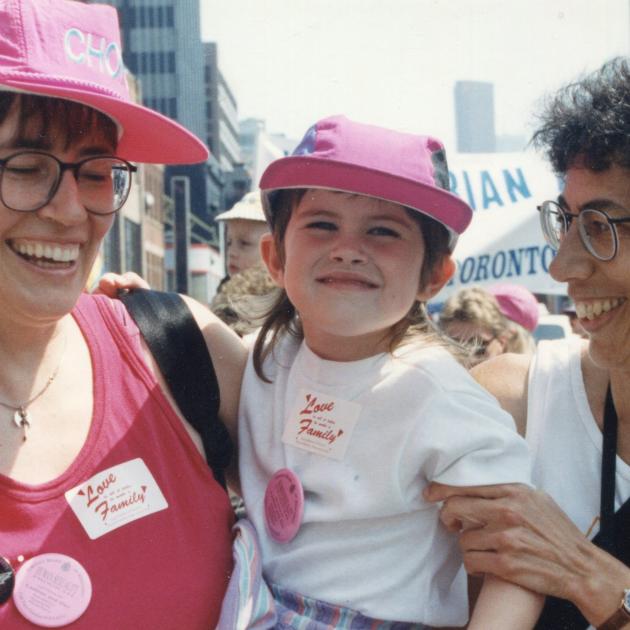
(395, 62)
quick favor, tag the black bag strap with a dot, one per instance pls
(180, 350)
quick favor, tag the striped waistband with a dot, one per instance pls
(297, 612)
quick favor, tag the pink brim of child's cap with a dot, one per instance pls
(69, 50)
(403, 168)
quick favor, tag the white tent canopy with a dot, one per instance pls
(504, 242)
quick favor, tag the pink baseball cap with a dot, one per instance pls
(404, 168)
(72, 51)
(517, 304)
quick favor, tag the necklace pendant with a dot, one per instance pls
(22, 420)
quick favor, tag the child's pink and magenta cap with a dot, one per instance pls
(340, 154)
(71, 50)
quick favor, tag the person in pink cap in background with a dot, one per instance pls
(109, 514)
(351, 404)
(491, 321)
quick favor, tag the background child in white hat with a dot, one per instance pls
(245, 223)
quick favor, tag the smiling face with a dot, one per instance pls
(351, 267)
(599, 289)
(243, 237)
(46, 255)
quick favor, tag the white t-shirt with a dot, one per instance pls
(368, 541)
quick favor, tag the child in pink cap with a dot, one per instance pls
(351, 405)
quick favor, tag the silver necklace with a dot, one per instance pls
(21, 417)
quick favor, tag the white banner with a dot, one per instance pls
(504, 242)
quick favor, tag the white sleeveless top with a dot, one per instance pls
(564, 438)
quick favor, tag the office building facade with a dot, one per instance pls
(474, 117)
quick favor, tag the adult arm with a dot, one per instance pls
(521, 534)
(505, 377)
(228, 357)
(523, 537)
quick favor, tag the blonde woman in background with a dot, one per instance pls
(493, 321)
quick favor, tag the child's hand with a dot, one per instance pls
(111, 283)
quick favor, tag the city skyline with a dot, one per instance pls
(291, 62)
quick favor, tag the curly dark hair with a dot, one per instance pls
(588, 121)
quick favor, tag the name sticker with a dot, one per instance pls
(115, 497)
(321, 424)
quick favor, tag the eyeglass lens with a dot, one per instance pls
(30, 180)
(596, 233)
(553, 223)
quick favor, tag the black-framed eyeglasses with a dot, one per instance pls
(597, 230)
(30, 179)
(480, 346)
(476, 345)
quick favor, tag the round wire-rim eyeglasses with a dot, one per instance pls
(103, 181)
(597, 230)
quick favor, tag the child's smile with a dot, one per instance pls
(347, 280)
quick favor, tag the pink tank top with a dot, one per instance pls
(139, 508)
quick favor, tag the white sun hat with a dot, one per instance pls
(249, 208)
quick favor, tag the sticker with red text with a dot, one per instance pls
(321, 424)
(115, 497)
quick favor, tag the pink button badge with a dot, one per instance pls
(284, 505)
(52, 590)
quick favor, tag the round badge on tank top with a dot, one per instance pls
(52, 590)
(7, 580)
(284, 505)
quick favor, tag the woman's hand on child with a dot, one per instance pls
(110, 283)
(524, 537)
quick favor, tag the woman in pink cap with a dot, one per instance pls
(351, 405)
(109, 513)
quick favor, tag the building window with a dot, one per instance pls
(170, 16)
(199, 287)
(172, 107)
(155, 271)
(160, 17)
(132, 62)
(171, 62)
(128, 17)
(133, 247)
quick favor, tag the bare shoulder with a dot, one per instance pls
(505, 377)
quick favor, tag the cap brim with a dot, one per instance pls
(147, 135)
(309, 172)
(237, 213)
